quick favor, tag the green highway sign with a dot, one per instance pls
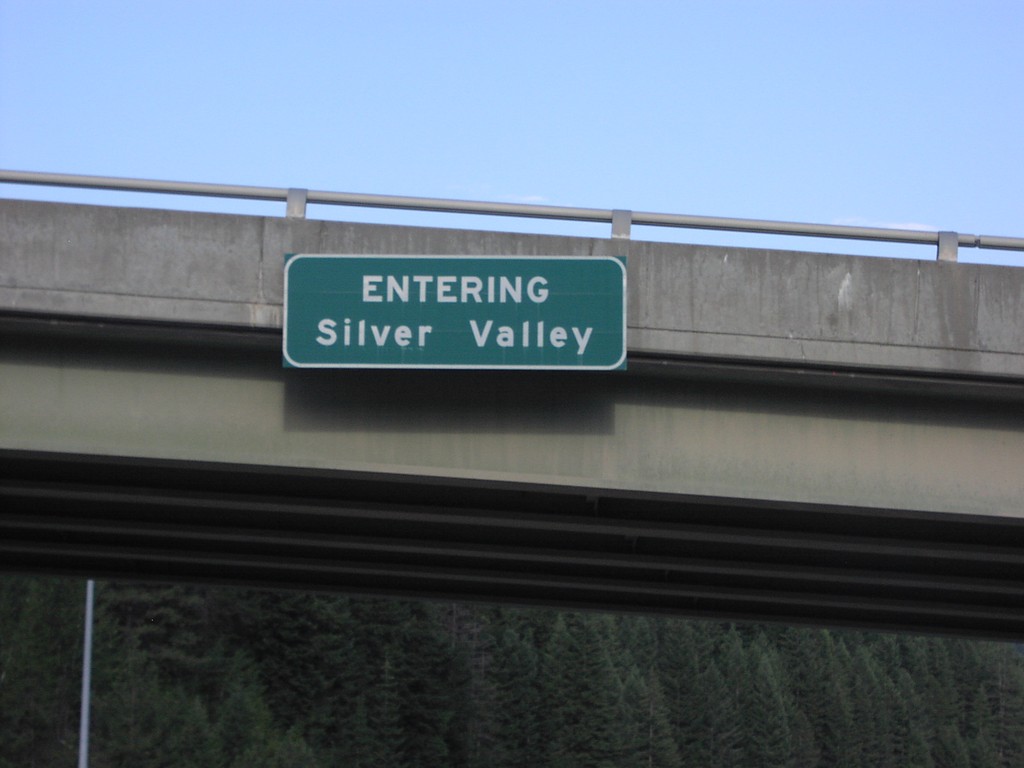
(528, 312)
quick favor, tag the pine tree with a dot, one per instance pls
(940, 692)
(141, 721)
(830, 709)
(384, 712)
(949, 750)
(169, 624)
(645, 737)
(800, 658)
(472, 635)
(893, 718)
(40, 669)
(580, 693)
(721, 722)
(243, 719)
(805, 751)
(713, 732)
(303, 647)
(633, 741)
(678, 666)
(661, 747)
(768, 734)
(980, 742)
(359, 746)
(513, 676)
(702, 706)
(639, 643)
(429, 703)
(410, 670)
(1006, 672)
(913, 723)
(287, 751)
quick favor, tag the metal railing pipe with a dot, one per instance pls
(442, 205)
(199, 189)
(997, 243)
(522, 210)
(767, 227)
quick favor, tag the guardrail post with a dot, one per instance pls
(622, 222)
(296, 206)
(949, 242)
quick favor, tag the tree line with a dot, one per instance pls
(203, 676)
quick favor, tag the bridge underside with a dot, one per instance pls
(377, 535)
(766, 494)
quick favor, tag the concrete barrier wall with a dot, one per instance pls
(717, 303)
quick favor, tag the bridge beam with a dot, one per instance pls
(750, 433)
(761, 495)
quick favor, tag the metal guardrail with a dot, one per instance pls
(621, 220)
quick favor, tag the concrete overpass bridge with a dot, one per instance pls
(798, 437)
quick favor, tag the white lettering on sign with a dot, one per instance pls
(365, 333)
(452, 289)
(531, 335)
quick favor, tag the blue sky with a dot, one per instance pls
(904, 114)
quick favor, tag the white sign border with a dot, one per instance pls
(291, 258)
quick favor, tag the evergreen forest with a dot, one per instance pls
(204, 676)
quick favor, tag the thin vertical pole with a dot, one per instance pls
(83, 731)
